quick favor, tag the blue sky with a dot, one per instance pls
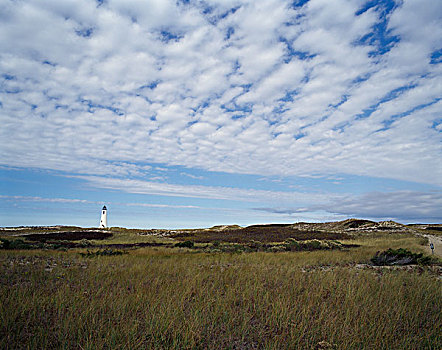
(197, 113)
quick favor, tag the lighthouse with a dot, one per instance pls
(103, 219)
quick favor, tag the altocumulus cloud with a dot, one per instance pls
(274, 87)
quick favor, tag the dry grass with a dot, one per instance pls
(162, 298)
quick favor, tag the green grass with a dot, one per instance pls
(175, 298)
(124, 236)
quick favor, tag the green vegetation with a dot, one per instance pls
(185, 244)
(104, 252)
(400, 257)
(20, 243)
(261, 233)
(289, 294)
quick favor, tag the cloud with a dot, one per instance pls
(400, 205)
(195, 177)
(240, 87)
(84, 201)
(199, 191)
(42, 199)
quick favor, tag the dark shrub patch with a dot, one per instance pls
(14, 244)
(185, 244)
(22, 244)
(69, 236)
(434, 228)
(399, 256)
(261, 233)
(313, 245)
(290, 245)
(104, 252)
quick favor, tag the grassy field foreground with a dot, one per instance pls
(175, 298)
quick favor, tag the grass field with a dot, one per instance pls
(178, 298)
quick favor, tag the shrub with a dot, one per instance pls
(5, 243)
(185, 244)
(234, 248)
(292, 245)
(84, 243)
(334, 245)
(104, 252)
(15, 244)
(278, 248)
(312, 245)
(255, 245)
(399, 256)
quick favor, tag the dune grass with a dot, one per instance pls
(162, 298)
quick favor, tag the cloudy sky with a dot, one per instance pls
(195, 113)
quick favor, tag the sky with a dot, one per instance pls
(181, 114)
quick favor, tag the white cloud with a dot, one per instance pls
(42, 199)
(17, 199)
(199, 191)
(262, 88)
(195, 177)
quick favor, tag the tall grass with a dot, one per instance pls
(163, 299)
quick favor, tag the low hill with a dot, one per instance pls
(261, 233)
(338, 230)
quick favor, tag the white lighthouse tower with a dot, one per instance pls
(103, 219)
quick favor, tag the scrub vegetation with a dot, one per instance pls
(200, 295)
(261, 233)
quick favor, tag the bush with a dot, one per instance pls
(277, 248)
(313, 245)
(84, 243)
(255, 245)
(292, 245)
(185, 244)
(15, 244)
(234, 248)
(334, 245)
(399, 256)
(105, 252)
